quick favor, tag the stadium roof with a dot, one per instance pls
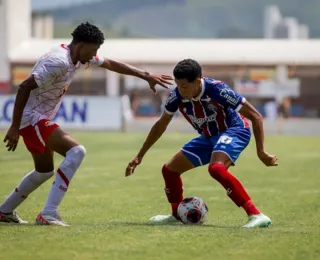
(206, 51)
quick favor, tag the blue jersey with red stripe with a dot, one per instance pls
(213, 111)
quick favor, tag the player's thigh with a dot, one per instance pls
(220, 157)
(179, 163)
(60, 141)
(43, 162)
(229, 145)
(195, 153)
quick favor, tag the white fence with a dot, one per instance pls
(102, 113)
(296, 126)
(76, 112)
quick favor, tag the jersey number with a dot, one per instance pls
(224, 140)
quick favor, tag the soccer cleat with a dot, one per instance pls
(163, 219)
(258, 221)
(12, 217)
(50, 218)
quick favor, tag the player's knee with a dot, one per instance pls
(167, 171)
(40, 177)
(46, 176)
(76, 154)
(81, 151)
(217, 170)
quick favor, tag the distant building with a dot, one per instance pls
(278, 27)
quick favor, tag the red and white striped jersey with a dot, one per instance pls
(213, 111)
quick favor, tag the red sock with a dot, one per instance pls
(235, 190)
(173, 188)
(250, 208)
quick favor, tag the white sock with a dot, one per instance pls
(64, 175)
(29, 183)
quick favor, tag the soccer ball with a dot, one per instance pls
(193, 210)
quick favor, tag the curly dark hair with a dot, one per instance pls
(89, 33)
(188, 69)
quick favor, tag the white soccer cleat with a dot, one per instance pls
(163, 219)
(12, 217)
(258, 221)
(50, 218)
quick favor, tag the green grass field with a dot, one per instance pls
(109, 213)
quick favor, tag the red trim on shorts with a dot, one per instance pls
(31, 138)
(245, 121)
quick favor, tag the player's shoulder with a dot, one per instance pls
(213, 83)
(174, 96)
(58, 55)
(214, 86)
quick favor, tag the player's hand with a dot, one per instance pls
(268, 159)
(12, 138)
(162, 80)
(132, 165)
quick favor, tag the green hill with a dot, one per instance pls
(188, 18)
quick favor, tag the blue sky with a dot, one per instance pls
(45, 4)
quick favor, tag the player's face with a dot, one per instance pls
(187, 89)
(87, 51)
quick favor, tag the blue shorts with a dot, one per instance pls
(231, 142)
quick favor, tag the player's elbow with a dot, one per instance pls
(255, 117)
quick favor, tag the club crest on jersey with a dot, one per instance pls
(212, 107)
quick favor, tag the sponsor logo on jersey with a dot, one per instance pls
(229, 95)
(200, 121)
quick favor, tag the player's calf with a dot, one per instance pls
(234, 188)
(29, 183)
(65, 173)
(173, 188)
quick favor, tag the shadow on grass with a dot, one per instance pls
(120, 224)
(148, 224)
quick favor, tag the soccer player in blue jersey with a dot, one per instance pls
(219, 115)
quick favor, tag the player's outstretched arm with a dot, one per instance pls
(155, 133)
(12, 136)
(256, 118)
(123, 68)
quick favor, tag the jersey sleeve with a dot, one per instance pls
(225, 96)
(172, 103)
(96, 61)
(47, 71)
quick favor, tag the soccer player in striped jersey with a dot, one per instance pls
(219, 115)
